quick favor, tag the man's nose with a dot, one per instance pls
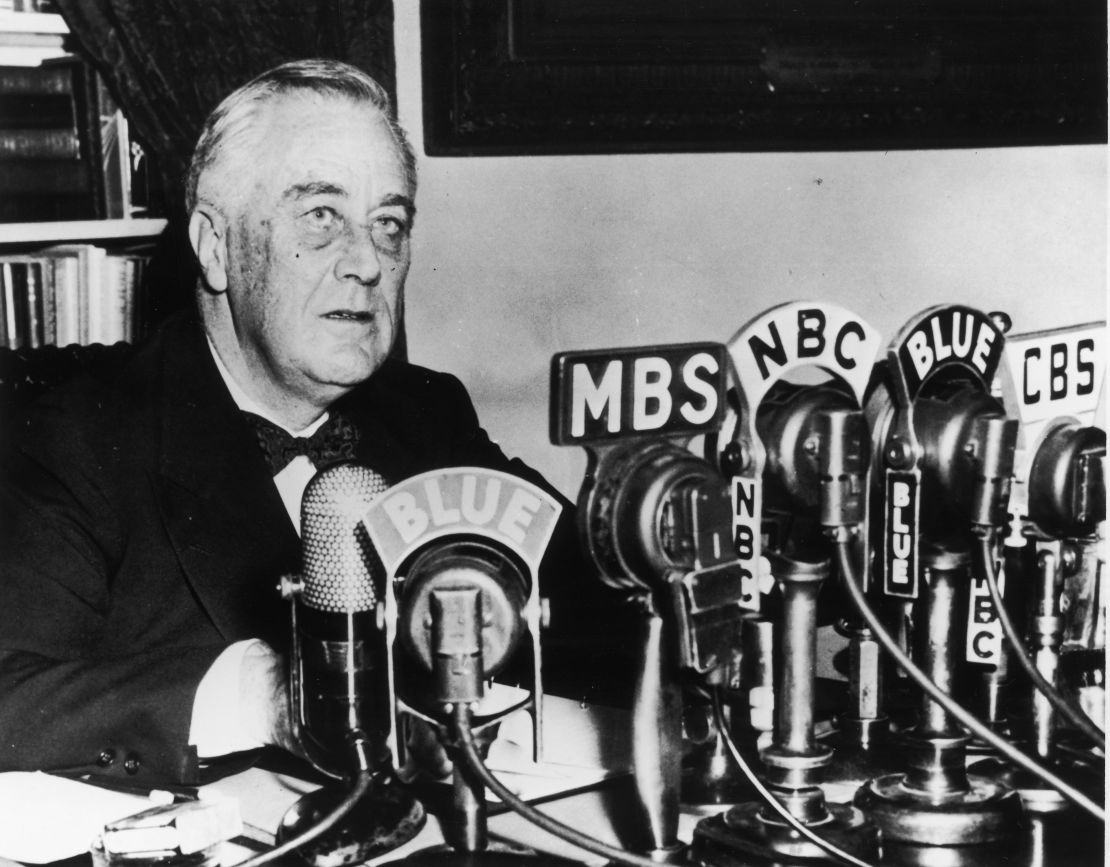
(359, 259)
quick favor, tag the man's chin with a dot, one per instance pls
(351, 375)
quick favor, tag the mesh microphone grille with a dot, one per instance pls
(340, 563)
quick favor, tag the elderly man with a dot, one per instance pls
(143, 527)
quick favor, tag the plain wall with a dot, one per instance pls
(517, 258)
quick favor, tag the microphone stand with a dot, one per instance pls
(657, 734)
(1047, 635)
(746, 694)
(376, 816)
(795, 760)
(935, 803)
(455, 609)
(456, 650)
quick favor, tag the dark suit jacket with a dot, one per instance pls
(141, 533)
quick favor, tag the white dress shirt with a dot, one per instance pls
(220, 722)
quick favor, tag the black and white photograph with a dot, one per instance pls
(553, 432)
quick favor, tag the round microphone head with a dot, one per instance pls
(340, 563)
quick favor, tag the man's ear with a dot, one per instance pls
(209, 240)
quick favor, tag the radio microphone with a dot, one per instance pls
(462, 548)
(339, 673)
(800, 452)
(340, 656)
(658, 523)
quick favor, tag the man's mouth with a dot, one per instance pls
(350, 315)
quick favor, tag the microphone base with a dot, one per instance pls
(1036, 794)
(386, 817)
(985, 813)
(745, 836)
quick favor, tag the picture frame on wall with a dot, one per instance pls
(624, 76)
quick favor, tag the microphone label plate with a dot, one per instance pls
(1050, 374)
(951, 340)
(801, 334)
(901, 558)
(468, 501)
(608, 394)
(747, 537)
(984, 631)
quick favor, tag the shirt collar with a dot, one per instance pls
(246, 403)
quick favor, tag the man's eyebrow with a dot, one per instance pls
(312, 188)
(296, 192)
(396, 200)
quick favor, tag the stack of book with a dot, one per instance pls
(30, 32)
(70, 293)
(45, 173)
(66, 152)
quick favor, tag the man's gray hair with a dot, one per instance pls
(232, 119)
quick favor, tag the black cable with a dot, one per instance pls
(985, 562)
(1084, 757)
(552, 826)
(847, 568)
(769, 797)
(358, 790)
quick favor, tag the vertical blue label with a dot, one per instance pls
(900, 537)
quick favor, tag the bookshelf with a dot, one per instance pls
(75, 231)
(57, 232)
(69, 283)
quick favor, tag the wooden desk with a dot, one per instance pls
(607, 811)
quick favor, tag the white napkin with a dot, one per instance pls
(49, 818)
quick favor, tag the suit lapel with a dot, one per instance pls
(378, 446)
(220, 507)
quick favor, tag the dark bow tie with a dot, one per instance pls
(334, 441)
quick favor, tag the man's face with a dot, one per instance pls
(318, 249)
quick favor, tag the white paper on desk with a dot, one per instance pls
(49, 818)
(582, 744)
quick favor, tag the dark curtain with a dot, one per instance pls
(169, 62)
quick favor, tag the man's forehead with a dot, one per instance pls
(304, 100)
(284, 119)
(325, 145)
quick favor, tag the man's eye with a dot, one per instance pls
(321, 218)
(389, 232)
(389, 226)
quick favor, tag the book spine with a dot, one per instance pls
(49, 303)
(131, 292)
(5, 306)
(39, 111)
(140, 316)
(32, 208)
(114, 308)
(43, 177)
(36, 79)
(31, 39)
(33, 309)
(39, 143)
(67, 302)
(87, 111)
(115, 165)
(18, 316)
(92, 298)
